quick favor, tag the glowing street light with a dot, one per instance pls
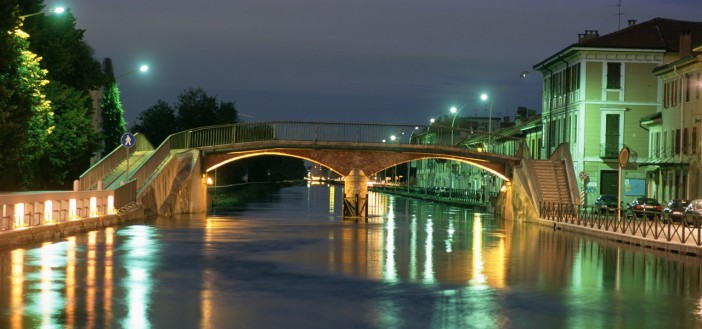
(141, 69)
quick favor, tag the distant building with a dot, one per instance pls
(595, 93)
(435, 173)
(673, 167)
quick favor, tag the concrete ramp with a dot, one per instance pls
(178, 186)
(119, 174)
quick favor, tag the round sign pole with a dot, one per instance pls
(127, 140)
(623, 162)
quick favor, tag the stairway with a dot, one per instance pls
(552, 180)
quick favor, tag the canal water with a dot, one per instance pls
(289, 261)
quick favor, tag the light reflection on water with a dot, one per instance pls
(274, 264)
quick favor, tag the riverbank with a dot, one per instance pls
(462, 198)
(36, 235)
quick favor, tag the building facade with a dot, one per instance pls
(673, 170)
(595, 93)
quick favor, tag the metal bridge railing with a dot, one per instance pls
(336, 132)
(657, 226)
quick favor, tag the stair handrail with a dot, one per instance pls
(109, 163)
(562, 153)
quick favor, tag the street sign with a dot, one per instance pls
(624, 157)
(127, 140)
(583, 175)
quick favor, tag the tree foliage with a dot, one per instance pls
(194, 108)
(156, 122)
(71, 144)
(68, 64)
(112, 115)
(15, 109)
(26, 117)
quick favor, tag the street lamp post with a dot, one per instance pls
(55, 10)
(484, 97)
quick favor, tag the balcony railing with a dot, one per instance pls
(610, 150)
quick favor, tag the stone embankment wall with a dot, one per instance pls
(34, 235)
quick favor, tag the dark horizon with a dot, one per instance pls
(362, 61)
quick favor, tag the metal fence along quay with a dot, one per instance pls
(655, 226)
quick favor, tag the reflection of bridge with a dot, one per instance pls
(171, 178)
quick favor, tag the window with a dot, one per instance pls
(614, 75)
(611, 145)
(685, 142)
(687, 88)
(665, 144)
(673, 93)
(676, 142)
(652, 144)
(694, 140)
(698, 84)
(666, 88)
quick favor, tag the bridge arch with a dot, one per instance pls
(370, 162)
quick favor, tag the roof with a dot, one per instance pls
(656, 34)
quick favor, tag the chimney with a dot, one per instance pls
(685, 44)
(632, 22)
(588, 35)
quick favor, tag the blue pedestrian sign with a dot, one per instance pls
(128, 140)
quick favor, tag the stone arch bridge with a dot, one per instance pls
(171, 177)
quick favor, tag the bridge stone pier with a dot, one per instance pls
(355, 195)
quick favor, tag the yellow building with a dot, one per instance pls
(595, 93)
(674, 146)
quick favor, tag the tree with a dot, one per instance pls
(195, 108)
(74, 73)
(71, 144)
(26, 117)
(112, 115)
(156, 122)
(41, 123)
(15, 109)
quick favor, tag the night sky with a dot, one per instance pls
(383, 61)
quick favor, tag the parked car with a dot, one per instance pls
(693, 213)
(676, 209)
(606, 203)
(643, 207)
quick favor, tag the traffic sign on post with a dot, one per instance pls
(128, 140)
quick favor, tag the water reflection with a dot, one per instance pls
(140, 248)
(431, 245)
(412, 265)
